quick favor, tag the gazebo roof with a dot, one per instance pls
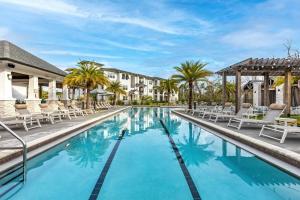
(260, 66)
(13, 53)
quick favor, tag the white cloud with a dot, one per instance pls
(55, 6)
(125, 46)
(252, 38)
(145, 23)
(4, 32)
(79, 54)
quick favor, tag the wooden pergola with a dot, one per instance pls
(265, 67)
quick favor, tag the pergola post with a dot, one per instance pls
(238, 91)
(288, 91)
(224, 89)
(266, 89)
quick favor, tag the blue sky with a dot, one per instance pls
(151, 36)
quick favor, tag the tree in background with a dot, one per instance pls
(88, 75)
(169, 86)
(189, 73)
(116, 88)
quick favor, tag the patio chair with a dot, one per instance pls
(78, 110)
(228, 113)
(284, 130)
(275, 110)
(68, 112)
(35, 115)
(51, 113)
(213, 110)
(100, 107)
(21, 120)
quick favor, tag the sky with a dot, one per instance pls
(151, 36)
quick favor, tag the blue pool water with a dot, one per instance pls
(145, 165)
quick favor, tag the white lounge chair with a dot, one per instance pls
(275, 110)
(284, 130)
(228, 113)
(23, 120)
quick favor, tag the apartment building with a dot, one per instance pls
(137, 85)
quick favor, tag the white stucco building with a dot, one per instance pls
(137, 85)
(22, 76)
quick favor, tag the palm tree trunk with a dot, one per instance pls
(169, 97)
(115, 99)
(87, 98)
(73, 93)
(190, 95)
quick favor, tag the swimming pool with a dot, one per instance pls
(149, 153)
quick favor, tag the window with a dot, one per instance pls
(125, 98)
(150, 82)
(125, 87)
(125, 76)
(110, 75)
(150, 90)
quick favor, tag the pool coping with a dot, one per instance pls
(46, 142)
(285, 159)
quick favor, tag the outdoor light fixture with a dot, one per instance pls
(10, 65)
(9, 76)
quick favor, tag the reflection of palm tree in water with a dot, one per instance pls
(172, 124)
(88, 148)
(192, 152)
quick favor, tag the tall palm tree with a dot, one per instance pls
(116, 88)
(169, 86)
(189, 73)
(88, 75)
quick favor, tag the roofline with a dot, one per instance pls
(123, 71)
(22, 63)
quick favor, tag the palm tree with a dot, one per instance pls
(116, 88)
(88, 75)
(169, 86)
(190, 72)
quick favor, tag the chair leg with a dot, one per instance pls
(283, 136)
(240, 125)
(51, 119)
(262, 130)
(38, 122)
(229, 122)
(25, 126)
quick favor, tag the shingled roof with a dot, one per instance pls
(259, 66)
(13, 53)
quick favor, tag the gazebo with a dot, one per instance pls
(265, 67)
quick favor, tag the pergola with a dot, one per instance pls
(265, 67)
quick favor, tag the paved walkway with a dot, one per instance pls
(46, 129)
(292, 142)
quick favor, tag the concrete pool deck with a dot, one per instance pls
(288, 152)
(48, 133)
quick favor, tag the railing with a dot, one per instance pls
(24, 147)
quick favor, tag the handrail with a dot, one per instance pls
(24, 147)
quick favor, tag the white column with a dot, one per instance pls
(65, 93)
(5, 85)
(33, 88)
(279, 94)
(52, 90)
(33, 100)
(7, 102)
(256, 94)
